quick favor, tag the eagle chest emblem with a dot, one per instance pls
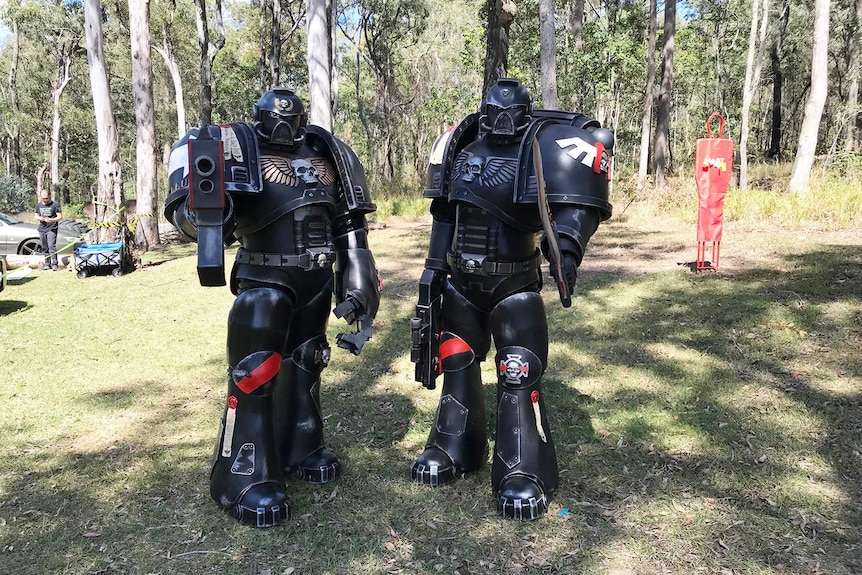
(293, 172)
(485, 171)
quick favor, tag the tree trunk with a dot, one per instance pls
(168, 55)
(777, 53)
(854, 118)
(332, 11)
(263, 69)
(109, 196)
(646, 121)
(548, 54)
(208, 50)
(275, 47)
(319, 59)
(752, 80)
(64, 61)
(147, 191)
(500, 16)
(14, 125)
(577, 24)
(816, 100)
(662, 128)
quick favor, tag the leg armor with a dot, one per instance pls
(247, 478)
(298, 420)
(524, 471)
(458, 442)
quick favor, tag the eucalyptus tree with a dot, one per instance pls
(804, 160)
(756, 45)
(320, 70)
(110, 183)
(381, 32)
(776, 55)
(662, 130)
(209, 44)
(167, 19)
(500, 14)
(146, 188)
(853, 115)
(12, 120)
(49, 35)
(649, 88)
(548, 54)
(276, 27)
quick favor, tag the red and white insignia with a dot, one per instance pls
(513, 368)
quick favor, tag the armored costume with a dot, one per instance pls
(492, 192)
(295, 198)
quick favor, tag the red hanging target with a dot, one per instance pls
(713, 169)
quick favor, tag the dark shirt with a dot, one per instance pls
(49, 210)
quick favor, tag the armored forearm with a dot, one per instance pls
(442, 230)
(357, 287)
(575, 226)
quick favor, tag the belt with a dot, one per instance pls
(481, 265)
(311, 259)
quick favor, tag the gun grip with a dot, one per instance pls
(211, 256)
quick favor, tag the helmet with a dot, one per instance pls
(506, 109)
(280, 118)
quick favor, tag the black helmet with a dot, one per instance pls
(280, 118)
(506, 109)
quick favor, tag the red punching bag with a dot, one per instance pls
(713, 168)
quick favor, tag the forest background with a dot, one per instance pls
(398, 72)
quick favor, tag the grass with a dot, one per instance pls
(705, 423)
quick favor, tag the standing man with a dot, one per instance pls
(295, 198)
(48, 214)
(496, 180)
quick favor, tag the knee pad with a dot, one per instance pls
(518, 367)
(455, 353)
(313, 355)
(255, 370)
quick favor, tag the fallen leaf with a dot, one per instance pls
(604, 432)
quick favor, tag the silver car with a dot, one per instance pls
(17, 237)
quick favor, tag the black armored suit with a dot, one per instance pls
(484, 260)
(296, 200)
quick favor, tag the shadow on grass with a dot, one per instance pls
(10, 306)
(683, 444)
(774, 464)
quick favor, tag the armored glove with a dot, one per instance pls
(357, 291)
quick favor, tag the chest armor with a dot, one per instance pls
(303, 179)
(485, 176)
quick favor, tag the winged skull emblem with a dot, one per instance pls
(294, 172)
(488, 172)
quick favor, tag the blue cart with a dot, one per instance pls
(113, 257)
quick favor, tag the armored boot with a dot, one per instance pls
(524, 473)
(246, 479)
(298, 419)
(457, 443)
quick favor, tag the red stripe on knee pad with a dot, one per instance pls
(261, 374)
(453, 346)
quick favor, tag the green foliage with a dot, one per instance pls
(419, 70)
(389, 207)
(16, 195)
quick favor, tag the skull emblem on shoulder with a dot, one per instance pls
(305, 170)
(473, 167)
